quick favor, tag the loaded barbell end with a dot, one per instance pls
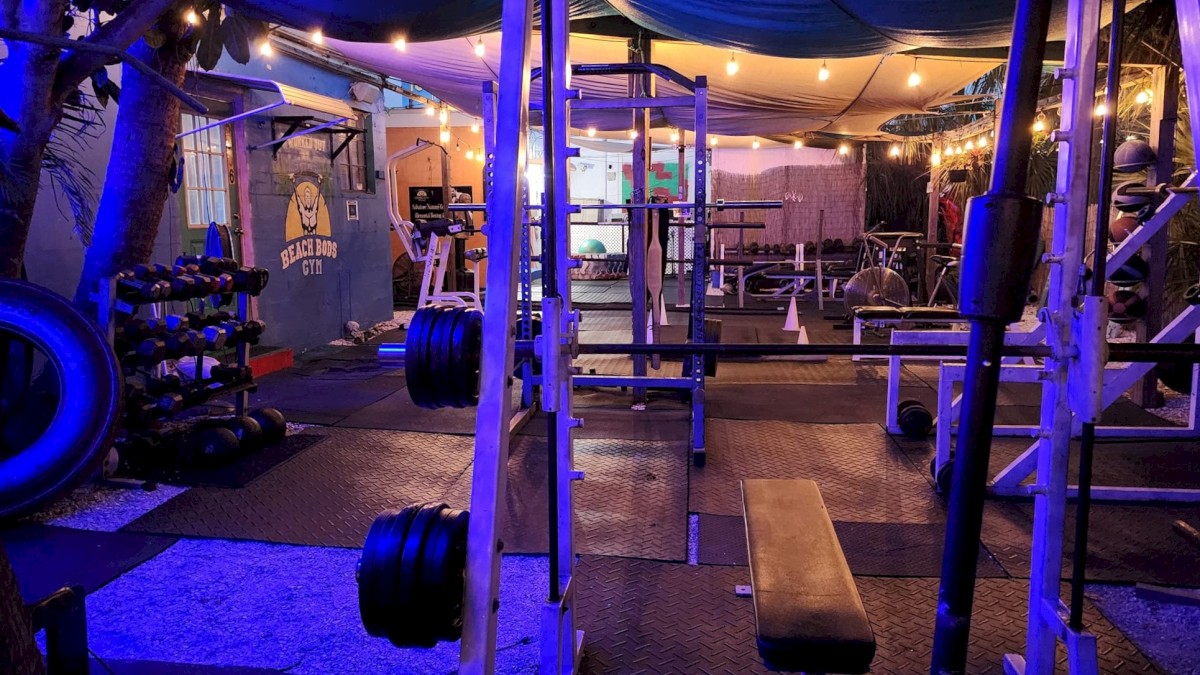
(1064, 73)
(392, 355)
(1060, 136)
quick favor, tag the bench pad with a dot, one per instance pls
(806, 605)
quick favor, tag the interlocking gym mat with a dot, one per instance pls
(643, 616)
(871, 549)
(398, 413)
(649, 425)
(45, 557)
(325, 496)
(242, 471)
(316, 401)
(862, 477)
(843, 404)
(632, 500)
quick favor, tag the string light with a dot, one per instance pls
(633, 134)
(318, 37)
(1141, 98)
(457, 146)
(400, 44)
(265, 47)
(479, 156)
(731, 67)
(470, 153)
(474, 126)
(1101, 110)
(755, 145)
(443, 115)
(949, 151)
(480, 50)
(983, 141)
(444, 135)
(674, 135)
(429, 110)
(970, 146)
(712, 140)
(958, 149)
(191, 17)
(823, 73)
(1039, 124)
(843, 149)
(797, 144)
(936, 158)
(591, 132)
(914, 78)
(895, 151)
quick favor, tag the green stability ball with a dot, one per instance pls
(592, 246)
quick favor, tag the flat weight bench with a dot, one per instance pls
(806, 606)
(885, 315)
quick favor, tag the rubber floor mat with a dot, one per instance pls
(242, 471)
(643, 616)
(871, 549)
(643, 425)
(632, 500)
(397, 412)
(327, 496)
(46, 557)
(762, 371)
(840, 404)
(862, 476)
(318, 401)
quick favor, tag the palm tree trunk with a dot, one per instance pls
(135, 186)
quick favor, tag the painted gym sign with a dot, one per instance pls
(306, 227)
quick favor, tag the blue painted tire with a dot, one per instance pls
(81, 429)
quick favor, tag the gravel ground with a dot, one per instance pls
(105, 508)
(1166, 632)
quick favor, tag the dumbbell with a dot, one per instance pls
(827, 246)
(250, 280)
(209, 447)
(753, 248)
(142, 290)
(150, 351)
(152, 271)
(198, 321)
(184, 343)
(167, 384)
(914, 419)
(247, 430)
(274, 426)
(144, 408)
(208, 264)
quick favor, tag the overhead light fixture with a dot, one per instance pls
(823, 73)
(1141, 98)
(470, 153)
(429, 112)
(712, 140)
(633, 134)
(191, 17)
(914, 78)
(591, 132)
(797, 144)
(755, 145)
(731, 67)
(318, 37)
(674, 135)
(949, 151)
(958, 149)
(443, 115)
(444, 135)
(895, 151)
(264, 47)
(1039, 124)
(983, 141)
(843, 149)
(969, 146)
(474, 126)
(400, 44)
(1101, 110)
(480, 50)
(936, 158)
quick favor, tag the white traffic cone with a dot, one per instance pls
(793, 317)
(662, 314)
(802, 339)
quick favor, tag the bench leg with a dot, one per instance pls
(893, 394)
(944, 421)
(857, 337)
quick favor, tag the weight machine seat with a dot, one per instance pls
(807, 610)
(944, 260)
(441, 227)
(475, 254)
(877, 312)
(931, 313)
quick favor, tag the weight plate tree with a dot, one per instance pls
(89, 394)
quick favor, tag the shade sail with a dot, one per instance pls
(767, 96)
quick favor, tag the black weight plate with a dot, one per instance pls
(904, 404)
(459, 368)
(411, 628)
(444, 571)
(429, 344)
(468, 339)
(712, 335)
(441, 347)
(474, 340)
(377, 569)
(416, 359)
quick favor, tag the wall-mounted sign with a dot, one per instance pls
(425, 202)
(306, 228)
(351, 209)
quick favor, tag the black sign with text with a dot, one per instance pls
(425, 202)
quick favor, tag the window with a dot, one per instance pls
(353, 164)
(206, 173)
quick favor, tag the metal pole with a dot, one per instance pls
(489, 481)
(989, 317)
(639, 85)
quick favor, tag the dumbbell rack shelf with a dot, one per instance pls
(109, 305)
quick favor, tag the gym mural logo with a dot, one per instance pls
(306, 228)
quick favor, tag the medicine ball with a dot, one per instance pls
(1133, 272)
(1127, 203)
(1122, 227)
(592, 247)
(1133, 156)
(1126, 306)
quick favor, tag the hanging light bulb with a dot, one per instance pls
(480, 50)
(970, 145)
(895, 151)
(936, 158)
(982, 143)
(191, 18)
(914, 78)
(443, 115)
(633, 134)
(318, 37)
(470, 153)
(1141, 98)
(457, 146)
(674, 135)
(264, 47)
(1101, 110)
(712, 140)
(400, 44)
(731, 67)
(823, 73)
(843, 149)
(591, 132)
(755, 145)
(1039, 124)
(444, 135)
(958, 149)
(1131, 137)
(797, 144)
(949, 151)
(474, 126)
(429, 112)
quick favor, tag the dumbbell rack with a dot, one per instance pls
(108, 305)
